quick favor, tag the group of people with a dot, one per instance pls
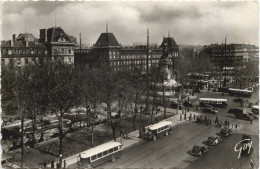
(58, 164)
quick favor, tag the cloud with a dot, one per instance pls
(188, 22)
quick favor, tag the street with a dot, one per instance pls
(173, 151)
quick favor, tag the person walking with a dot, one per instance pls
(52, 164)
(64, 164)
(194, 117)
(57, 164)
(45, 164)
(252, 163)
(180, 117)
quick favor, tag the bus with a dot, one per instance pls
(239, 92)
(100, 154)
(156, 130)
(213, 101)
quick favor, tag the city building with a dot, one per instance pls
(23, 50)
(107, 50)
(231, 55)
(54, 44)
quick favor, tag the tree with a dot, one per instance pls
(63, 94)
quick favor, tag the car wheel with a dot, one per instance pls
(113, 158)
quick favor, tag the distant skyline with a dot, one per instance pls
(190, 23)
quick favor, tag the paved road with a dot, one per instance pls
(224, 156)
(172, 151)
(166, 152)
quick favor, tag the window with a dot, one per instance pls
(206, 101)
(3, 61)
(69, 51)
(93, 157)
(99, 155)
(115, 148)
(11, 61)
(26, 61)
(219, 102)
(105, 153)
(110, 150)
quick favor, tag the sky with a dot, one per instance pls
(191, 23)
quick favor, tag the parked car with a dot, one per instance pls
(238, 99)
(212, 141)
(175, 105)
(198, 150)
(188, 104)
(226, 132)
(210, 110)
(234, 110)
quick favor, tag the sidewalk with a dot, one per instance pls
(133, 137)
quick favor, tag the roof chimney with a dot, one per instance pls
(14, 37)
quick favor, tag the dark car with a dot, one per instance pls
(243, 116)
(210, 110)
(175, 105)
(198, 150)
(246, 138)
(212, 141)
(187, 104)
(209, 106)
(238, 99)
(226, 132)
(235, 110)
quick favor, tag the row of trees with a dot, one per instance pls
(36, 91)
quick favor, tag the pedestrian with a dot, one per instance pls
(52, 164)
(182, 111)
(210, 121)
(228, 123)
(64, 164)
(57, 164)
(251, 121)
(185, 116)
(194, 117)
(188, 109)
(44, 164)
(180, 117)
(236, 125)
(232, 125)
(188, 99)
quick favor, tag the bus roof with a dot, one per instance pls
(255, 107)
(99, 149)
(242, 90)
(213, 99)
(159, 125)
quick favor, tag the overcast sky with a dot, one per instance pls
(188, 22)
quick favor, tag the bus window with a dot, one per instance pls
(93, 157)
(219, 102)
(99, 155)
(120, 147)
(115, 148)
(105, 153)
(214, 102)
(110, 150)
(205, 101)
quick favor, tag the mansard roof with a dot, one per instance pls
(54, 33)
(170, 41)
(107, 40)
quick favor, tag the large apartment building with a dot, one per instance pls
(54, 44)
(108, 51)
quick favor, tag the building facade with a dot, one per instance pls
(54, 44)
(231, 55)
(108, 51)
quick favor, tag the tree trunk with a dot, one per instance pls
(61, 137)
(22, 133)
(134, 118)
(164, 106)
(92, 134)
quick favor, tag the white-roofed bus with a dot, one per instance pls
(240, 92)
(100, 154)
(213, 102)
(157, 130)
